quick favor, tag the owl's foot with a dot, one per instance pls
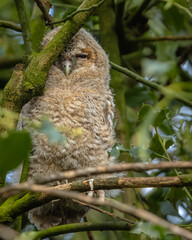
(100, 193)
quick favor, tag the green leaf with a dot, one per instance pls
(117, 148)
(149, 229)
(145, 109)
(14, 149)
(52, 133)
(155, 146)
(159, 118)
(168, 209)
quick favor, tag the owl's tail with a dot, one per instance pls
(55, 213)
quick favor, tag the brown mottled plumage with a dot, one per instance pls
(77, 96)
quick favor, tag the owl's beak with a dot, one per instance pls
(67, 67)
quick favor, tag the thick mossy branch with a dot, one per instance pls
(35, 72)
(78, 227)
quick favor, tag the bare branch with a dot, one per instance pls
(93, 7)
(104, 183)
(105, 212)
(46, 15)
(158, 39)
(137, 167)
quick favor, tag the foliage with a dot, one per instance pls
(154, 41)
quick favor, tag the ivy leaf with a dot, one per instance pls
(117, 148)
(14, 149)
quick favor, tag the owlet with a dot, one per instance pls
(77, 98)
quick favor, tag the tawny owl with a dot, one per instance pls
(77, 96)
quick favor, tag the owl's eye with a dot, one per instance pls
(82, 55)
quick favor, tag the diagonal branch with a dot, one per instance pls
(164, 38)
(165, 91)
(70, 16)
(31, 83)
(46, 15)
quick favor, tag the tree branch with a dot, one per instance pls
(131, 210)
(77, 227)
(45, 13)
(165, 91)
(32, 81)
(137, 167)
(24, 26)
(70, 16)
(105, 212)
(158, 39)
(11, 25)
(30, 200)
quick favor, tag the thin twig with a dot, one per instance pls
(158, 39)
(172, 94)
(46, 15)
(11, 25)
(89, 233)
(68, 17)
(105, 212)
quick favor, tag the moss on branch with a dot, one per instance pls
(32, 81)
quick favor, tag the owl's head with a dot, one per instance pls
(82, 56)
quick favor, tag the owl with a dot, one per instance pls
(77, 98)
